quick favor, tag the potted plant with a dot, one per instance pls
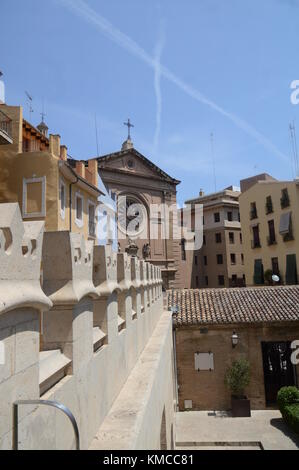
(237, 378)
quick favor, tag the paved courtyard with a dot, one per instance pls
(206, 430)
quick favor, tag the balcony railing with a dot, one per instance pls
(5, 129)
(92, 229)
(253, 214)
(255, 244)
(271, 240)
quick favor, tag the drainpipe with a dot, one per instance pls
(70, 200)
(175, 365)
(166, 253)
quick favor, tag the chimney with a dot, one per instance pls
(63, 152)
(201, 192)
(2, 90)
(80, 169)
(54, 144)
(93, 168)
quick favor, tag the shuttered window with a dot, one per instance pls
(258, 276)
(291, 270)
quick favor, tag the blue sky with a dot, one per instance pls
(179, 69)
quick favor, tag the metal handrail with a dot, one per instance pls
(55, 404)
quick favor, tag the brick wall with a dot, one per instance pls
(207, 389)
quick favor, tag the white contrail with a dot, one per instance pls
(83, 10)
(157, 82)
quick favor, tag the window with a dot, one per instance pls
(183, 250)
(253, 211)
(204, 239)
(231, 237)
(230, 216)
(232, 258)
(234, 282)
(291, 270)
(285, 226)
(196, 281)
(34, 197)
(205, 260)
(206, 280)
(258, 277)
(79, 209)
(275, 266)
(269, 205)
(218, 237)
(241, 238)
(195, 260)
(91, 219)
(216, 217)
(221, 280)
(255, 243)
(271, 237)
(284, 200)
(62, 199)
(219, 259)
(242, 258)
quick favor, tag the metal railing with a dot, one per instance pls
(92, 229)
(5, 124)
(54, 404)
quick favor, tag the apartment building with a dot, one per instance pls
(35, 172)
(220, 261)
(270, 229)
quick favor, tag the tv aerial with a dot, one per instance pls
(30, 99)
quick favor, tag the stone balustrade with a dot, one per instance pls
(74, 320)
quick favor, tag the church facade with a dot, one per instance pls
(137, 185)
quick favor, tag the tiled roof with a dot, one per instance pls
(235, 305)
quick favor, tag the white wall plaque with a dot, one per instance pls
(204, 361)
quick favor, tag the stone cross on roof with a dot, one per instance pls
(129, 125)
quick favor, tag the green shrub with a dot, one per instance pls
(237, 376)
(288, 403)
(291, 416)
(287, 396)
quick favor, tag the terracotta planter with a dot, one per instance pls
(240, 407)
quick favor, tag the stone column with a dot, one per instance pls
(105, 307)
(21, 301)
(67, 280)
(127, 302)
(136, 286)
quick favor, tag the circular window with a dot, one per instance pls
(132, 216)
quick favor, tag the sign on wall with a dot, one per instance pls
(204, 361)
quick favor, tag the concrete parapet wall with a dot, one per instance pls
(78, 336)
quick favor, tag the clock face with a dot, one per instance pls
(132, 216)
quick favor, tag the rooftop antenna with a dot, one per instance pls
(213, 161)
(2, 89)
(43, 114)
(294, 147)
(30, 99)
(96, 130)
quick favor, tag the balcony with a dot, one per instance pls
(92, 229)
(5, 129)
(255, 244)
(271, 241)
(253, 214)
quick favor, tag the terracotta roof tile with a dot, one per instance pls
(237, 305)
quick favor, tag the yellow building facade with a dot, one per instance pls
(34, 171)
(269, 211)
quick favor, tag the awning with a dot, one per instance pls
(285, 223)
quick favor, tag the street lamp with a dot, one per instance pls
(235, 339)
